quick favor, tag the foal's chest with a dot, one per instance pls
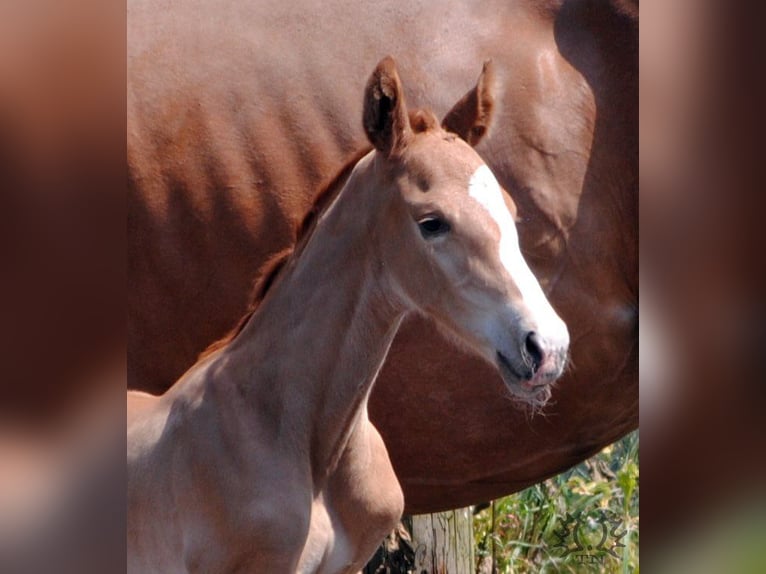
(328, 548)
(359, 505)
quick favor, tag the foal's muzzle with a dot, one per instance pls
(540, 363)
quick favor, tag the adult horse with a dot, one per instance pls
(237, 109)
(262, 457)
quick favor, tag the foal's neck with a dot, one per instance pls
(320, 336)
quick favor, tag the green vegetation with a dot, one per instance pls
(584, 520)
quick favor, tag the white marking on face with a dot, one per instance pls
(484, 188)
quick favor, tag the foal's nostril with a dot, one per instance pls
(534, 350)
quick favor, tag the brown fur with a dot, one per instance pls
(420, 121)
(224, 159)
(265, 279)
(284, 410)
(270, 270)
(480, 98)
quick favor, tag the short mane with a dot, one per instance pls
(268, 272)
(420, 121)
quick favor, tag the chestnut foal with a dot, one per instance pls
(261, 458)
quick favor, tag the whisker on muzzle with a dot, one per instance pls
(532, 406)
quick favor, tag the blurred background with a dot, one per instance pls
(702, 392)
(62, 286)
(62, 293)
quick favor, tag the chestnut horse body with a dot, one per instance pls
(237, 111)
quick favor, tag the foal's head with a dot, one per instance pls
(450, 243)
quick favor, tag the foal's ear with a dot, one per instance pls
(471, 117)
(385, 113)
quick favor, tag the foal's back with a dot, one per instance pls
(138, 403)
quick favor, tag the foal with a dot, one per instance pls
(261, 458)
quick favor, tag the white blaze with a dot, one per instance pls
(483, 187)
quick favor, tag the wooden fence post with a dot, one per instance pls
(443, 542)
(428, 544)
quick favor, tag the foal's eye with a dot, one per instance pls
(433, 226)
